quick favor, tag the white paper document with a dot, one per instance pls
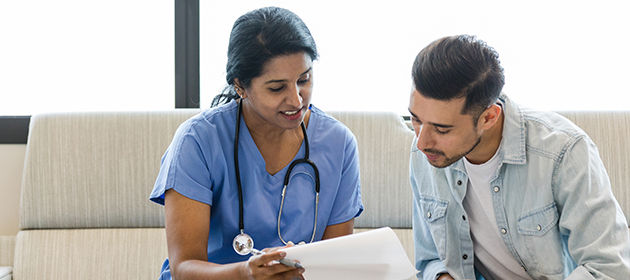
(374, 254)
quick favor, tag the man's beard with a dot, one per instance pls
(450, 160)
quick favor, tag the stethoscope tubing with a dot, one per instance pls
(306, 160)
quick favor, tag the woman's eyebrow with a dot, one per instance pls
(280, 81)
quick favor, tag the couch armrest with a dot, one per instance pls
(6, 272)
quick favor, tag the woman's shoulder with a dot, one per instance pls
(208, 123)
(331, 127)
(212, 118)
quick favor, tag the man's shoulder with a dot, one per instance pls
(549, 132)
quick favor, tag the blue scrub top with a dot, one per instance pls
(199, 164)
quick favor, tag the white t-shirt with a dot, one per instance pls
(492, 257)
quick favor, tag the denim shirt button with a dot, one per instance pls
(538, 227)
(496, 189)
(464, 217)
(465, 256)
(459, 182)
(504, 231)
(428, 214)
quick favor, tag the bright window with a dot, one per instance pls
(557, 55)
(71, 55)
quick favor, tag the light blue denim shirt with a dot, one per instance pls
(551, 197)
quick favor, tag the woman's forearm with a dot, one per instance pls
(196, 269)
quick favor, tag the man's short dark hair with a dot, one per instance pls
(459, 66)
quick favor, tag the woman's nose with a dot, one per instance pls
(295, 98)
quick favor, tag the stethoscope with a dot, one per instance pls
(243, 243)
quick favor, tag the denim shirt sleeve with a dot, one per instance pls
(427, 260)
(591, 219)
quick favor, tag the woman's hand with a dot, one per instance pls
(265, 266)
(187, 229)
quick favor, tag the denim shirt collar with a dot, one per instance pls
(513, 150)
(514, 131)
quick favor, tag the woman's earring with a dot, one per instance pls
(238, 91)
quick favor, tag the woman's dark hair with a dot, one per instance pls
(460, 66)
(257, 37)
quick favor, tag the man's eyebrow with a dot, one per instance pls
(441, 125)
(432, 123)
(412, 114)
(280, 81)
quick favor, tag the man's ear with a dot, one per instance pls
(489, 117)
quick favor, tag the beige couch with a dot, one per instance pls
(85, 214)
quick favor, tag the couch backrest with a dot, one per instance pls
(95, 170)
(84, 210)
(384, 141)
(87, 177)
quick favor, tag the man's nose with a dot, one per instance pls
(424, 138)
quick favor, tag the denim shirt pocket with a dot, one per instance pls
(539, 221)
(539, 230)
(434, 213)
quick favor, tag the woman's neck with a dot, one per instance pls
(277, 146)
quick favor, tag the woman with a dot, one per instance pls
(218, 208)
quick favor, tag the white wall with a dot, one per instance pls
(74, 55)
(557, 55)
(11, 165)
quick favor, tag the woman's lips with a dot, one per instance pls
(293, 117)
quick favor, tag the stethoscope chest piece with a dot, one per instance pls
(243, 244)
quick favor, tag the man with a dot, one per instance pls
(502, 192)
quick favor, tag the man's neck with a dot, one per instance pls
(489, 143)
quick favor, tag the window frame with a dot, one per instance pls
(15, 128)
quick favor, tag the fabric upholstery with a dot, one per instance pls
(85, 214)
(7, 248)
(610, 131)
(384, 143)
(89, 254)
(107, 163)
(87, 170)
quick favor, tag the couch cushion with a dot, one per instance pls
(610, 130)
(384, 142)
(87, 170)
(89, 254)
